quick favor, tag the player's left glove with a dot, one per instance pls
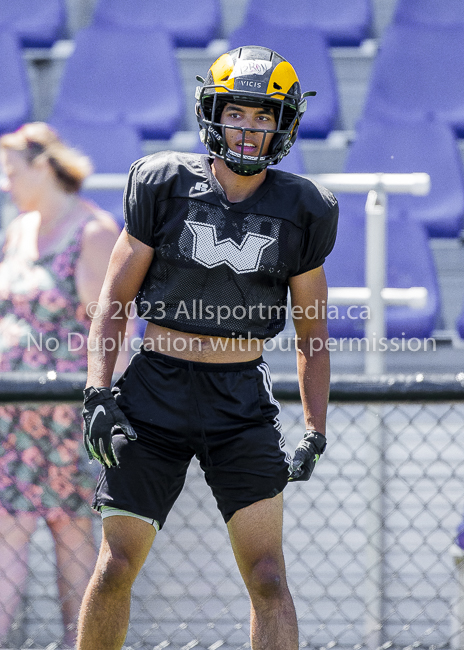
(307, 454)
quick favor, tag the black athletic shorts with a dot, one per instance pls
(224, 414)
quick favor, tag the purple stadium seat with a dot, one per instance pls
(419, 71)
(399, 146)
(436, 13)
(112, 149)
(15, 98)
(409, 264)
(36, 23)
(294, 161)
(191, 24)
(308, 52)
(342, 22)
(122, 76)
(460, 324)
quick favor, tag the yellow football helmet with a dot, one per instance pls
(254, 76)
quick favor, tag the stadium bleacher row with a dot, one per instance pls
(121, 92)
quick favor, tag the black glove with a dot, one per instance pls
(103, 418)
(306, 456)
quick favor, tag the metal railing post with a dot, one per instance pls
(375, 243)
(375, 246)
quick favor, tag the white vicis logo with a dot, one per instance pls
(242, 258)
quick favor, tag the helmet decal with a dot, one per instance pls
(251, 66)
(253, 76)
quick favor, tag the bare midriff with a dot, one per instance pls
(199, 347)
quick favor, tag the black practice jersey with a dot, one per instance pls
(222, 268)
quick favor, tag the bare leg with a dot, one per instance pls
(256, 536)
(75, 560)
(15, 533)
(104, 614)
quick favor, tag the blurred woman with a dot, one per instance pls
(51, 270)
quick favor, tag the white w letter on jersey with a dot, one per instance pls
(210, 252)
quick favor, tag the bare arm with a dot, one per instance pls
(127, 268)
(313, 364)
(99, 238)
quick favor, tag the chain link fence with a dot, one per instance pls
(368, 544)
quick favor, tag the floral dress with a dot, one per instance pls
(43, 326)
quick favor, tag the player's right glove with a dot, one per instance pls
(307, 453)
(102, 419)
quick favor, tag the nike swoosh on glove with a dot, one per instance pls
(307, 453)
(102, 419)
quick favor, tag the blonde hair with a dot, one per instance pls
(35, 139)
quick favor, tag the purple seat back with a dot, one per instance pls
(429, 12)
(122, 76)
(407, 266)
(401, 146)
(418, 72)
(460, 324)
(294, 161)
(15, 97)
(306, 49)
(342, 22)
(191, 24)
(36, 23)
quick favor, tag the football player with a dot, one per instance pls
(211, 245)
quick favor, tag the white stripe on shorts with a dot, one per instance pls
(108, 511)
(264, 370)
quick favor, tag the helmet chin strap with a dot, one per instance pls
(240, 167)
(214, 138)
(243, 164)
